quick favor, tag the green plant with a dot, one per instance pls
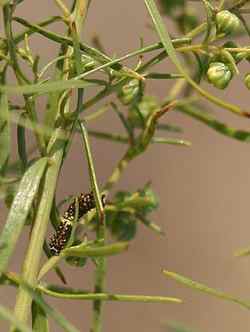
(28, 186)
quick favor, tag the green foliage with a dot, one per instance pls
(128, 210)
(28, 185)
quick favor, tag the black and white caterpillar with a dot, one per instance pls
(86, 202)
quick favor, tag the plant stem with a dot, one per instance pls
(109, 297)
(56, 149)
(100, 235)
(31, 263)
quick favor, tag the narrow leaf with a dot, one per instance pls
(19, 210)
(6, 314)
(204, 117)
(171, 141)
(4, 131)
(205, 289)
(44, 88)
(21, 142)
(39, 319)
(83, 251)
(78, 294)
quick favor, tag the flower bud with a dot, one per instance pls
(227, 22)
(219, 75)
(247, 81)
(129, 92)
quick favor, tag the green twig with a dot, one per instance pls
(100, 235)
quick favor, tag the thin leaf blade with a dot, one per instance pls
(98, 251)
(205, 289)
(6, 314)
(19, 210)
(4, 130)
(39, 319)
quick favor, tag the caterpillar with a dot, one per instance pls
(86, 202)
(60, 237)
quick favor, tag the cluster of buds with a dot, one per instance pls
(220, 69)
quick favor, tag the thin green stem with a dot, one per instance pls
(100, 235)
(20, 37)
(7, 14)
(21, 78)
(79, 295)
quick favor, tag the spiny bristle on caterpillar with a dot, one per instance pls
(86, 202)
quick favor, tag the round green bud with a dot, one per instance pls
(219, 75)
(247, 80)
(129, 92)
(227, 22)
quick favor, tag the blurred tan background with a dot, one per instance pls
(204, 203)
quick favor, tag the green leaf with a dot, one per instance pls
(4, 131)
(205, 289)
(122, 225)
(21, 142)
(96, 251)
(44, 88)
(19, 210)
(204, 117)
(171, 141)
(39, 319)
(8, 315)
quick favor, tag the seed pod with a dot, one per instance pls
(129, 92)
(227, 22)
(247, 80)
(219, 75)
